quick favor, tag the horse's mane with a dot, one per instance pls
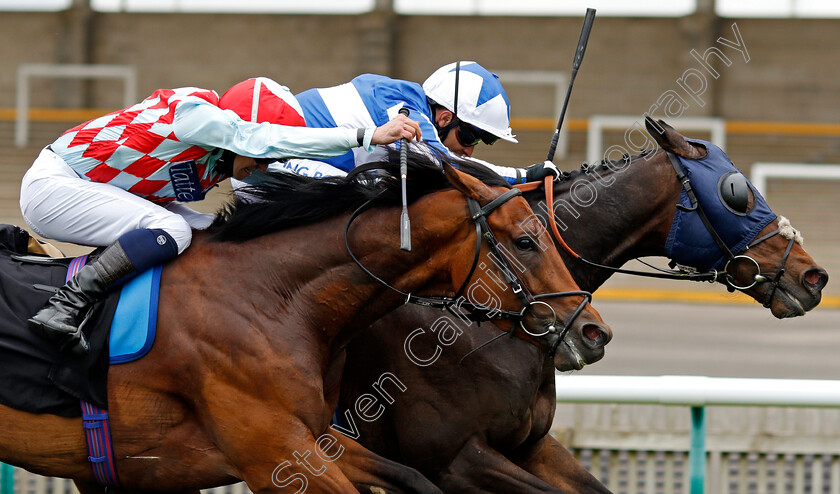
(490, 177)
(626, 158)
(604, 164)
(285, 200)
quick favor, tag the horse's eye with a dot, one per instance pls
(525, 243)
(734, 192)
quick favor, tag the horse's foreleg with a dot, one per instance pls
(285, 458)
(297, 474)
(479, 468)
(370, 472)
(332, 463)
(553, 463)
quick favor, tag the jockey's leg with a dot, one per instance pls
(58, 204)
(133, 253)
(196, 220)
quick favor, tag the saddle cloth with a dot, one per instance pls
(36, 377)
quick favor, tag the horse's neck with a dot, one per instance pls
(304, 276)
(628, 217)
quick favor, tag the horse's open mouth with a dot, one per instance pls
(570, 359)
(793, 307)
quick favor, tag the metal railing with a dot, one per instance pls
(698, 392)
(748, 462)
(799, 171)
(72, 71)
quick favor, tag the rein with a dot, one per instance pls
(711, 277)
(681, 274)
(479, 313)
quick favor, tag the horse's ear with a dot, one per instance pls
(672, 141)
(468, 185)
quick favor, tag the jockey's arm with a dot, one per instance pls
(203, 124)
(509, 173)
(512, 174)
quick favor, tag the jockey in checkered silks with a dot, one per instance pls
(120, 181)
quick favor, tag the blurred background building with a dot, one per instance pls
(766, 74)
(770, 72)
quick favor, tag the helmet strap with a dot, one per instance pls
(444, 131)
(224, 163)
(457, 79)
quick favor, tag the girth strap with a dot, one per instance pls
(95, 422)
(100, 449)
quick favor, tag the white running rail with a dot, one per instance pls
(70, 71)
(760, 172)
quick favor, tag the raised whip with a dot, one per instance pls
(581, 48)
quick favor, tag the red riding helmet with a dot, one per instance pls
(262, 100)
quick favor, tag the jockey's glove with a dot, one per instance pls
(541, 170)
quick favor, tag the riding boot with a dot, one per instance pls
(61, 319)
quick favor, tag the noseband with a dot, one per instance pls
(479, 313)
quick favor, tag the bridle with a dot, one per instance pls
(683, 273)
(732, 259)
(478, 312)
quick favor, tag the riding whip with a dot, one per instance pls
(405, 223)
(581, 48)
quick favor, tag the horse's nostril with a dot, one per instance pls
(815, 279)
(596, 334)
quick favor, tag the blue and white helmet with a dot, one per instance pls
(482, 100)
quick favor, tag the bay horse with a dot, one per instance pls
(243, 376)
(481, 423)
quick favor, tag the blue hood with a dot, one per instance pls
(689, 242)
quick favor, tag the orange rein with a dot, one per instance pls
(549, 199)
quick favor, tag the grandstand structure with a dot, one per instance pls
(765, 79)
(770, 85)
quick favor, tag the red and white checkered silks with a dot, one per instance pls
(133, 148)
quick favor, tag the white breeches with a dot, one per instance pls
(56, 203)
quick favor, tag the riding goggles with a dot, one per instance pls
(469, 135)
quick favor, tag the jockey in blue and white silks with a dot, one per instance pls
(482, 115)
(367, 98)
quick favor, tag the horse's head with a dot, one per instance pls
(722, 223)
(503, 266)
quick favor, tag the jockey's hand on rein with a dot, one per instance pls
(541, 170)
